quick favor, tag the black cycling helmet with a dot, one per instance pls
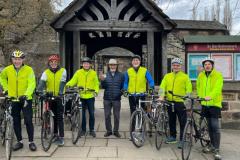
(136, 56)
(86, 59)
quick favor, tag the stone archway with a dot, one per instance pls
(121, 54)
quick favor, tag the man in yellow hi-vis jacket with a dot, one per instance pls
(18, 81)
(179, 84)
(88, 79)
(209, 87)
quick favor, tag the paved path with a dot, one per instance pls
(111, 148)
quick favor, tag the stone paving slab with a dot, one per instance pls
(72, 152)
(110, 152)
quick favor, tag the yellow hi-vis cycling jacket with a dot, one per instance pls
(87, 80)
(18, 83)
(210, 86)
(179, 83)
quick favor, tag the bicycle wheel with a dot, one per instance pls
(137, 128)
(204, 133)
(76, 127)
(47, 130)
(159, 131)
(9, 138)
(3, 131)
(187, 140)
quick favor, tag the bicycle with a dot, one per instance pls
(6, 125)
(75, 112)
(47, 130)
(192, 130)
(140, 117)
(162, 124)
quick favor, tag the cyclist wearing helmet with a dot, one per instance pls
(54, 79)
(86, 78)
(18, 81)
(179, 83)
(209, 86)
(135, 82)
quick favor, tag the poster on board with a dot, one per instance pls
(237, 67)
(224, 64)
(195, 64)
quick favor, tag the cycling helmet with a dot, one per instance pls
(208, 59)
(18, 54)
(86, 59)
(136, 56)
(177, 60)
(55, 57)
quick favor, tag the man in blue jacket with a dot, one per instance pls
(112, 82)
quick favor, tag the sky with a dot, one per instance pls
(181, 9)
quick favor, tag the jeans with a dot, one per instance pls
(180, 112)
(17, 107)
(212, 115)
(89, 105)
(108, 105)
(57, 109)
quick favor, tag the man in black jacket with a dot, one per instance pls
(112, 82)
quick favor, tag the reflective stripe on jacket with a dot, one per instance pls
(87, 80)
(179, 83)
(210, 86)
(18, 83)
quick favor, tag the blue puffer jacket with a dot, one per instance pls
(113, 86)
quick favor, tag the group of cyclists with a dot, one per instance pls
(18, 81)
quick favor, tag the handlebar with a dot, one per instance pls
(187, 97)
(72, 90)
(47, 95)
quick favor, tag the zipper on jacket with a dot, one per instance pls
(17, 83)
(173, 84)
(206, 89)
(54, 85)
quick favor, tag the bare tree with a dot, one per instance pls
(227, 16)
(218, 10)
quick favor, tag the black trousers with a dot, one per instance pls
(180, 112)
(17, 107)
(213, 114)
(133, 102)
(108, 105)
(57, 109)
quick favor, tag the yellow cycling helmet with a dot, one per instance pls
(18, 54)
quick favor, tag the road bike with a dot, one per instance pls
(6, 126)
(194, 129)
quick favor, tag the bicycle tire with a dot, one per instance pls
(204, 133)
(159, 131)
(137, 130)
(187, 140)
(9, 138)
(76, 125)
(47, 130)
(3, 125)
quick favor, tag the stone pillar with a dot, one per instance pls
(76, 50)
(150, 52)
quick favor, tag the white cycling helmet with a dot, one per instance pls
(177, 60)
(209, 59)
(18, 54)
